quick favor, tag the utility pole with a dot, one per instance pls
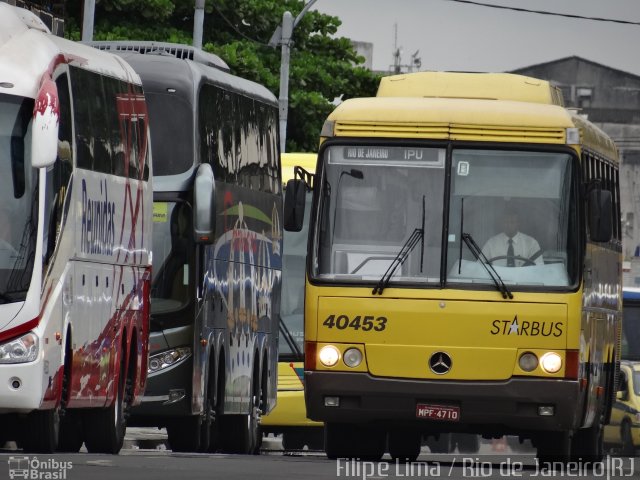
(198, 22)
(87, 20)
(282, 36)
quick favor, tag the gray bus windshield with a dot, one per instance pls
(171, 137)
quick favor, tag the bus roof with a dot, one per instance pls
(160, 70)
(486, 86)
(28, 50)
(454, 119)
(463, 118)
(291, 160)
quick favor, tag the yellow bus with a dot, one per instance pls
(289, 417)
(464, 269)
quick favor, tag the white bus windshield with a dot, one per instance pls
(18, 198)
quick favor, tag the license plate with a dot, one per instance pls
(438, 412)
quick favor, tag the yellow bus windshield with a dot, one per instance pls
(381, 212)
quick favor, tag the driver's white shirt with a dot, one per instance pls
(523, 246)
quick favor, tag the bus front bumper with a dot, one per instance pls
(21, 386)
(492, 406)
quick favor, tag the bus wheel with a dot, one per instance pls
(467, 442)
(70, 437)
(442, 444)
(41, 431)
(588, 443)
(240, 433)
(554, 446)
(354, 441)
(184, 433)
(404, 445)
(293, 440)
(105, 428)
(628, 449)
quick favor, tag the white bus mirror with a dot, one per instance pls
(44, 131)
(204, 198)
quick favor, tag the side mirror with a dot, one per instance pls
(204, 205)
(622, 395)
(294, 202)
(600, 215)
(44, 129)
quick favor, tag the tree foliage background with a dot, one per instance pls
(322, 66)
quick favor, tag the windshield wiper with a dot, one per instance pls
(403, 254)
(477, 252)
(290, 340)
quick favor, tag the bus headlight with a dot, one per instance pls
(528, 362)
(20, 350)
(551, 362)
(352, 357)
(163, 360)
(329, 355)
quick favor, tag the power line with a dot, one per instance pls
(543, 12)
(235, 29)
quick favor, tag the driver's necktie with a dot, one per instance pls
(511, 262)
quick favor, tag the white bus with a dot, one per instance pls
(75, 262)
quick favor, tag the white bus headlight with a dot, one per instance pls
(329, 355)
(551, 362)
(20, 350)
(352, 357)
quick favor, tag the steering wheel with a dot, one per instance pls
(527, 261)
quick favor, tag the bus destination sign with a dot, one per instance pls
(394, 154)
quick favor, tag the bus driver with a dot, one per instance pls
(512, 248)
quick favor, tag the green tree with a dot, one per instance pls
(322, 66)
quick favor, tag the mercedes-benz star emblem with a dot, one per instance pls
(440, 363)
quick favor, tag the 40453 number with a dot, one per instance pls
(365, 323)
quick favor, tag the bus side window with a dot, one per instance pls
(59, 174)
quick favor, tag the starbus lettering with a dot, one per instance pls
(98, 226)
(526, 328)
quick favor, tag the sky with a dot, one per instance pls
(464, 37)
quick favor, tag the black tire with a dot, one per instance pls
(404, 446)
(71, 438)
(184, 434)
(554, 447)
(315, 438)
(588, 443)
(354, 441)
(105, 428)
(293, 440)
(241, 433)
(467, 442)
(442, 444)
(627, 449)
(41, 432)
